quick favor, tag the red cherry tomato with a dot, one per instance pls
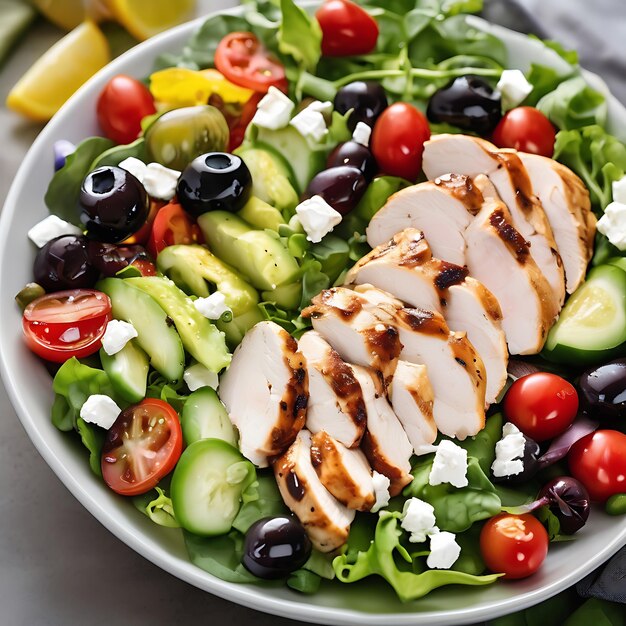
(238, 128)
(541, 405)
(598, 461)
(171, 226)
(147, 268)
(515, 545)
(526, 129)
(143, 445)
(398, 140)
(347, 29)
(243, 59)
(142, 235)
(122, 104)
(61, 325)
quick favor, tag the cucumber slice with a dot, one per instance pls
(208, 486)
(128, 371)
(593, 321)
(618, 261)
(205, 417)
(156, 335)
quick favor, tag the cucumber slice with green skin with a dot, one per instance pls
(201, 338)
(128, 371)
(261, 215)
(618, 261)
(156, 335)
(208, 486)
(205, 417)
(592, 324)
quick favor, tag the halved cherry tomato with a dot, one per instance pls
(172, 226)
(599, 462)
(347, 29)
(238, 129)
(143, 445)
(122, 104)
(515, 545)
(243, 59)
(541, 405)
(147, 268)
(58, 326)
(526, 129)
(398, 140)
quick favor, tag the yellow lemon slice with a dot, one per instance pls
(143, 19)
(60, 72)
(67, 14)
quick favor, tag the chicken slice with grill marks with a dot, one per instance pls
(325, 519)
(335, 398)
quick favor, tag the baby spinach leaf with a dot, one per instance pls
(332, 253)
(299, 35)
(470, 561)
(483, 445)
(544, 80)
(92, 438)
(116, 154)
(268, 504)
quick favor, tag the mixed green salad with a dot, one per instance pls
(212, 227)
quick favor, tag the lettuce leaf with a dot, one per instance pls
(299, 35)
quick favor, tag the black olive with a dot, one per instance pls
(366, 99)
(532, 452)
(214, 181)
(109, 258)
(276, 546)
(63, 263)
(468, 102)
(113, 204)
(342, 187)
(603, 390)
(568, 499)
(355, 154)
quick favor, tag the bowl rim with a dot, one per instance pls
(249, 596)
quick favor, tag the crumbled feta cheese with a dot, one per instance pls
(135, 166)
(418, 519)
(613, 224)
(514, 88)
(49, 228)
(212, 307)
(274, 110)
(381, 491)
(444, 551)
(362, 134)
(449, 465)
(160, 182)
(619, 190)
(509, 452)
(198, 376)
(100, 410)
(317, 217)
(310, 122)
(117, 335)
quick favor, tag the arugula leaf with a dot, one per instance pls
(332, 253)
(299, 35)
(62, 195)
(544, 80)
(93, 439)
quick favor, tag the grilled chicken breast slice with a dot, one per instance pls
(265, 392)
(565, 200)
(473, 156)
(355, 333)
(412, 399)
(325, 519)
(405, 268)
(335, 399)
(385, 443)
(344, 472)
(499, 257)
(442, 209)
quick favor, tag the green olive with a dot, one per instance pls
(28, 293)
(179, 136)
(616, 505)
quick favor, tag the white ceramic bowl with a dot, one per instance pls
(28, 385)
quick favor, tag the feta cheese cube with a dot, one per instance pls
(197, 376)
(509, 452)
(514, 88)
(310, 122)
(381, 491)
(418, 519)
(317, 217)
(444, 551)
(619, 190)
(116, 335)
(613, 224)
(49, 228)
(274, 110)
(449, 465)
(100, 410)
(362, 134)
(212, 307)
(160, 182)
(135, 166)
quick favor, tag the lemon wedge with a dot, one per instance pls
(67, 14)
(60, 72)
(143, 19)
